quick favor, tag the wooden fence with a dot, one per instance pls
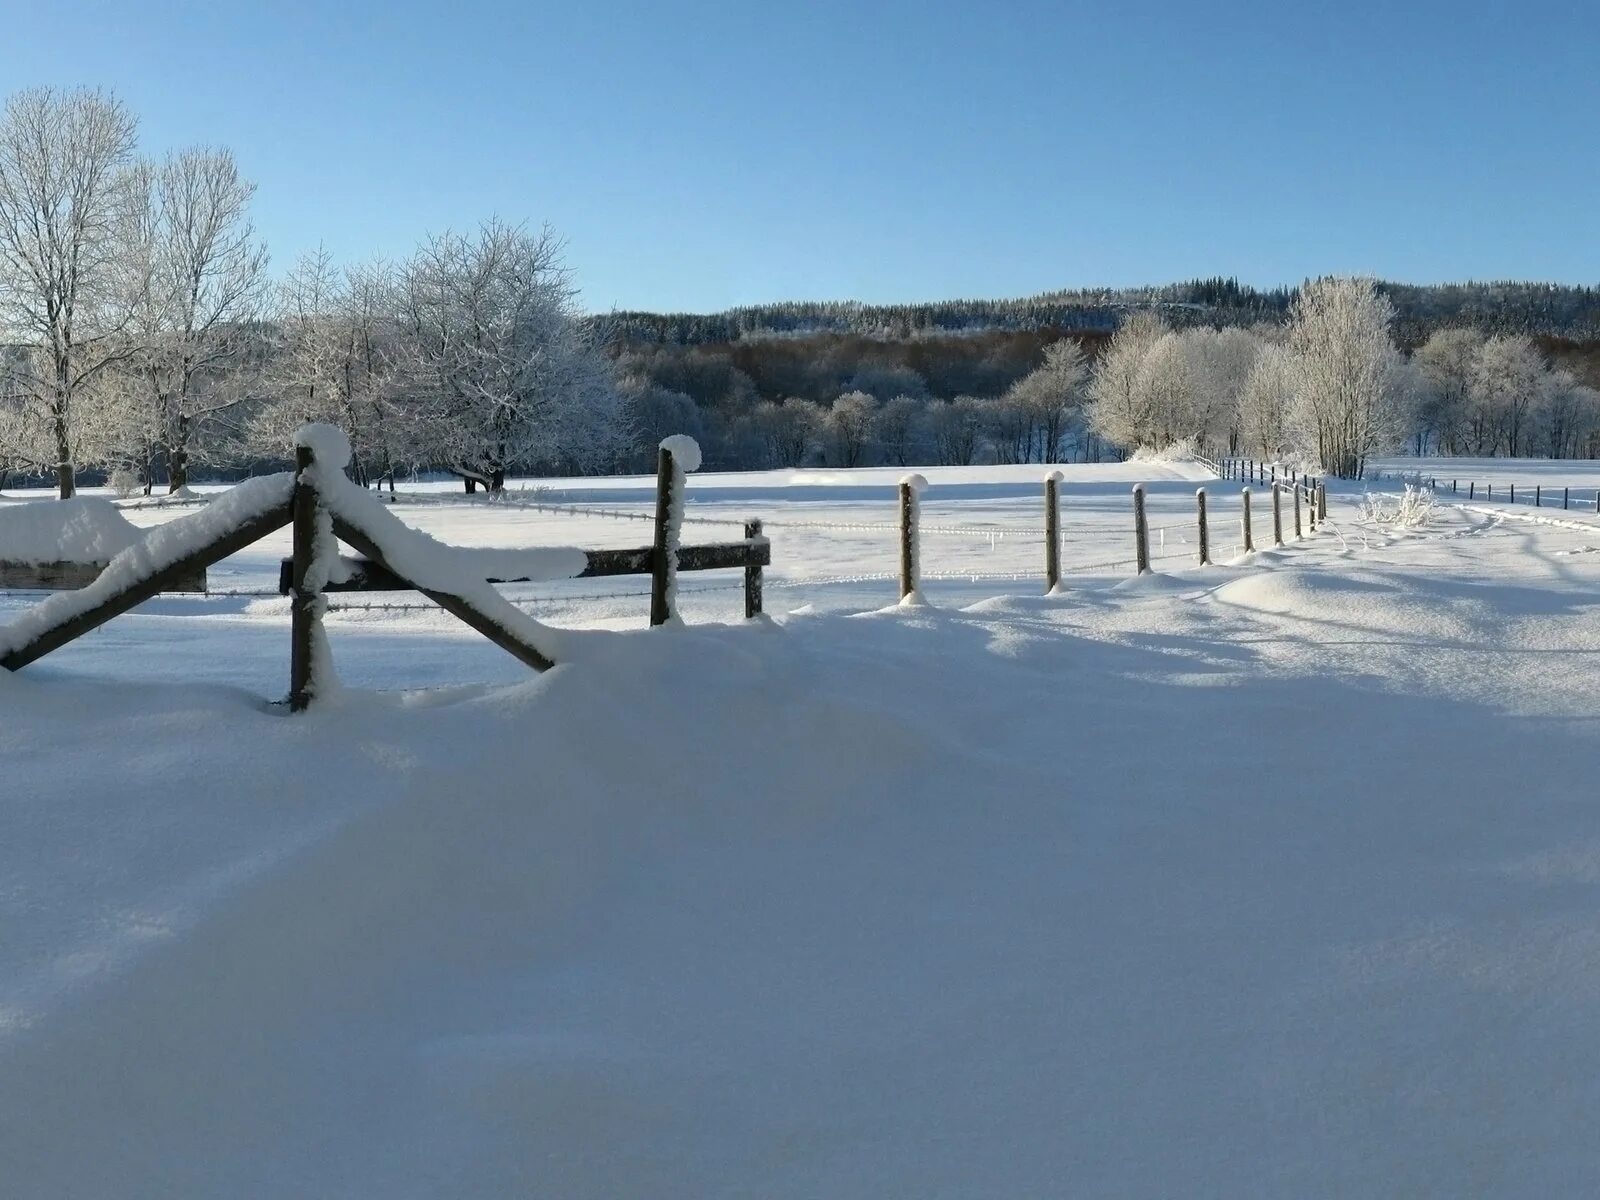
(306, 509)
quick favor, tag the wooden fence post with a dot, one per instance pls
(1141, 532)
(1297, 531)
(909, 580)
(1205, 531)
(752, 575)
(305, 608)
(1513, 493)
(1052, 531)
(1311, 506)
(1322, 500)
(660, 564)
(1277, 514)
(1249, 534)
(1566, 497)
(1472, 488)
(1538, 495)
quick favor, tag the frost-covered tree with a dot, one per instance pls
(1263, 405)
(1571, 412)
(1508, 381)
(850, 425)
(199, 342)
(957, 429)
(1051, 396)
(789, 430)
(1448, 361)
(65, 286)
(1119, 406)
(1350, 396)
(653, 413)
(898, 427)
(509, 373)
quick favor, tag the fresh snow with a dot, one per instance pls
(1275, 879)
(84, 529)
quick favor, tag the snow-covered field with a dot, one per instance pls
(1275, 878)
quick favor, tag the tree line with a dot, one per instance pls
(141, 334)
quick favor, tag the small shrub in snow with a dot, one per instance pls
(1413, 509)
(125, 483)
(1179, 451)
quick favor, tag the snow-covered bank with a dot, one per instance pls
(1268, 880)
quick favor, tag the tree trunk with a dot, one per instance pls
(497, 480)
(472, 484)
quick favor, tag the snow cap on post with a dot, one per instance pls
(327, 443)
(1054, 477)
(916, 483)
(684, 449)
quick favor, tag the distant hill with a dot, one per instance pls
(1540, 309)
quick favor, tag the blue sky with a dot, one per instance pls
(701, 155)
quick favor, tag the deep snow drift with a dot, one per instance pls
(1271, 879)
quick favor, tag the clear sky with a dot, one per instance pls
(701, 155)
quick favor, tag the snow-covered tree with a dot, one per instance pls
(65, 285)
(1263, 405)
(789, 430)
(197, 322)
(1448, 361)
(850, 425)
(957, 429)
(898, 428)
(508, 371)
(1508, 382)
(1119, 408)
(1349, 392)
(1052, 395)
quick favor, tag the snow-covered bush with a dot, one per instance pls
(1179, 451)
(124, 482)
(1412, 509)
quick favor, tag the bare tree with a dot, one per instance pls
(897, 425)
(206, 279)
(65, 205)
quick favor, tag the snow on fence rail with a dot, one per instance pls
(323, 508)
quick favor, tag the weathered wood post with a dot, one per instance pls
(660, 550)
(1205, 531)
(1566, 497)
(1452, 487)
(1538, 495)
(1297, 530)
(910, 511)
(1472, 488)
(1322, 501)
(1052, 530)
(305, 606)
(1513, 493)
(1311, 506)
(1244, 523)
(1277, 513)
(1491, 491)
(1141, 532)
(752, 575)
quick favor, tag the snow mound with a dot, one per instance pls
(84, 529)
(917, 483)
(684, 449)
(326, 442)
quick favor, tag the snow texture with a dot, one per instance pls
(85, 529)
(1070, 907)
(158, 549)
(1054, 477)
(328, 444)
(684, 449)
